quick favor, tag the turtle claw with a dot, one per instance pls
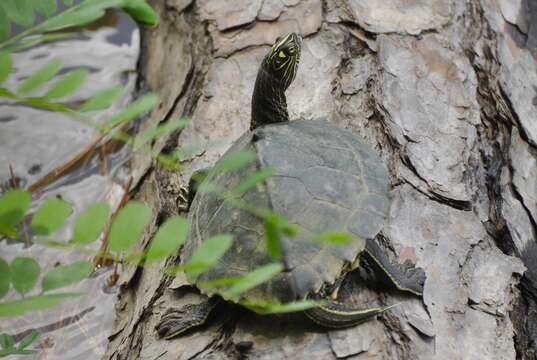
(177, 320)
(183, 199)
(415, 276)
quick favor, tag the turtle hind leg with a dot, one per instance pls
(337, 315)
(177, 320)
(405, 277)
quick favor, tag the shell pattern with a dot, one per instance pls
(324, 179)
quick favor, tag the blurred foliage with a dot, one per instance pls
(23, 13)
(22, 274)
(8, 346)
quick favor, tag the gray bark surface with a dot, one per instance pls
(445, 91)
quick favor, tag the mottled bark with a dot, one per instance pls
(445, 91)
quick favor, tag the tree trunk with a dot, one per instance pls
(444, 90)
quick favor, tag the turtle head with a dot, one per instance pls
(281, 63)
(276, 73)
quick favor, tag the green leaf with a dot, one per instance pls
(68, 2)
(154, 133)
(209, 187)
(253, 179)
(5, 25)
(21, 12)
(5, 277)
(140, 11)
(9, 231)
(85, 13)
(6, 66)
(90, 224)
(128, 226)
(102, 4)
(46, 7)
(6, 93)
(207, 255)
(24, 274)
(266, 307)
(214, 283)
(38, 39)
(7, 341)
(20, 307)
(22, 352)
(17, 352)
(51, 216)
(187, 152)
(4, 353)
(40, 77)
(272, 233)
(28, 340)
(334, 237)
(68, 84)
(234, 161)
(135, 109)
(13, 206)
(290, 229)
(80, 16)
(66, 275)
(169, 162)
(253, 279)
(168, 238)
(46, 105)
(102, 99)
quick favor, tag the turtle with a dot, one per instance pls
(324, 179)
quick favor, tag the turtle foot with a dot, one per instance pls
(405, 277)
(177, 320)
(415, 277)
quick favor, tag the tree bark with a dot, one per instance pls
(445, 91)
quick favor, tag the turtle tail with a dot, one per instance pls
(337, 315)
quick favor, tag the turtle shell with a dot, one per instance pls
(324, 179)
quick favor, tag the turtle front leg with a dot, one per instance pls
(405, 277)
(187, 193)
(177, 320)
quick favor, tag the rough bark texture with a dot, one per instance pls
(445, 91)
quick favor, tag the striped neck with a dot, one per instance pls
(269, 104)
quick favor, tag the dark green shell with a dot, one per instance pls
(325, 179)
